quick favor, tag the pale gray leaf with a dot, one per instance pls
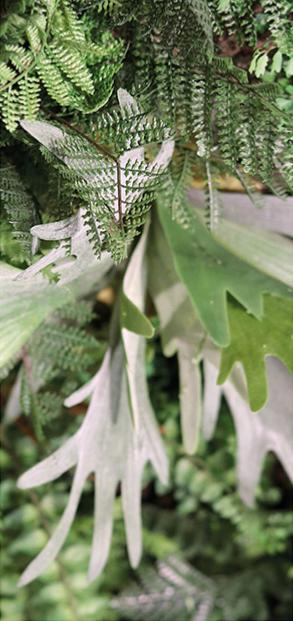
(190, 396)
(52, 467)
(49, 553)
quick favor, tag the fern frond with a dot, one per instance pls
(10, 108)
(50, 47)
(172, 591)
(70, 61)
(53, 81)
(21, 58)
(72, 25)
(180, 178)
(7, 74)
(226, 123)
(127, 129)
(29, 96)
(212, 206)
(67, 349)
(79, 314)
(34, 37)
(278, 14)
(116, 191)
(48, 406)
(18, 204)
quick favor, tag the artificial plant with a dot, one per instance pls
(109, 110)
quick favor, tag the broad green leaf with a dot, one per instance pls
(268, 252)
(209, 272)
(261, 64)
(133, 319)
(253, 340)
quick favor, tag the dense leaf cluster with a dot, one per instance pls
(110, 109)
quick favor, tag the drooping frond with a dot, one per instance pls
(17, 204)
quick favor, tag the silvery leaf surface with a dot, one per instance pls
(269, 429)
(27, 298)
(114, 452)
(180, 330)
(23, 307)
(134, 287)
(82, 270)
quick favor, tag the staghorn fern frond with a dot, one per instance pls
(270, 429)
(108, 445)
(216, 118)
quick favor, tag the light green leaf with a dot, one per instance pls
(268, 252)
(133, 319)
(224, 5)
(209, 272)
(261, 64)
(277, 62)
(253, 340)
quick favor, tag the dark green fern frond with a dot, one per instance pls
(234, 17)
(78, 314)
(61, 348)
(174, 591)
(278, 15)
(49, 406)
(127, 129)
(226, 123)
(180, 178)
(283, 152)
(115, 192)
(17, 204)
(57, 347)
(179, 23)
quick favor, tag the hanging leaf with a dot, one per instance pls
(181, 332)
(270, 429)
(104, 445)
(209, 272)
(253, 340)
(133, 319)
